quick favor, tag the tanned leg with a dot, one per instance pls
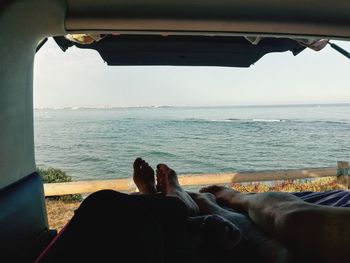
(312, 232)
(169, 185)
(268, 248)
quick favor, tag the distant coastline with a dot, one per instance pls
(193, 107)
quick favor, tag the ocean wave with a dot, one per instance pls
(256, 120)
(227, 120)
(340, 122)
(89, 159)
(268, 120)
(248, 120)
(191, 120)
(195, 119)
(160, 154)
(336, 122)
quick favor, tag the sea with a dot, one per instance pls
(102, 143)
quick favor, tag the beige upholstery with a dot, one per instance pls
(22, 25)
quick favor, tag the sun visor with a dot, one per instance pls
(175, 50)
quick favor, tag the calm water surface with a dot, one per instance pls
(102, 143)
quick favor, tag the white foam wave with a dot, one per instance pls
(267, 120)
(221, 120)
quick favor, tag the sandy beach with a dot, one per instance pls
(59, 213)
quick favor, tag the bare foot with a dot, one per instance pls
(226, 196)
(144, 177)
(168, 184)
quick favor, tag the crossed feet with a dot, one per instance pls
(166, 182)
(204, 203)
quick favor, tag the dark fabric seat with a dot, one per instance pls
(111, 226)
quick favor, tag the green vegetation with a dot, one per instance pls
(315, 185)
(53, 175)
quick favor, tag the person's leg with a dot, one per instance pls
(112, 226)
(269, 249)
(167, 182)
(312, 232)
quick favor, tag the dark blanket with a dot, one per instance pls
(335, 198)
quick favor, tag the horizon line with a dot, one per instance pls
(188, 106)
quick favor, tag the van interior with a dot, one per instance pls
(192, 33)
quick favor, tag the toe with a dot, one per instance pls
(138, 163)
(143, 165)
(166, 170)
(162, 170)
(148, 167)
(161, 167)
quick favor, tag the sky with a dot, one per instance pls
(80, 78)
